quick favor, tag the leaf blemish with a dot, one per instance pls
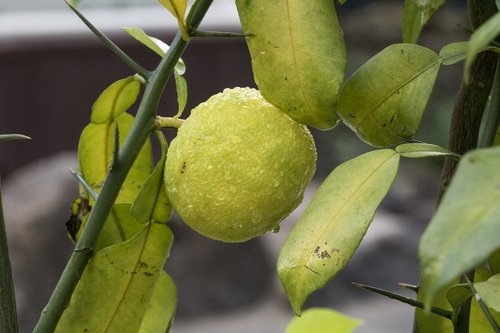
(183, 168)
(316, 250)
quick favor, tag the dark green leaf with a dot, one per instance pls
(334, 223)
(115, 100)
(464, 231)
(11, 137)
(384, 100)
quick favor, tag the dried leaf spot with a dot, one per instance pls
(316, 250)
(183, 168)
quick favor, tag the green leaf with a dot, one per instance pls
(334, 223)
(494, 262)
(384, 100)
(428, 322)
(320, 320)
(479, 322)
(11, 137)
(117, 285)
(95, 152)
(161, 309)
(154, 44)
(298, 56)
(151, 202)
(490, 292)
(464, 231)
(480, 39)
(418, 150)
(417, 13)
(182, 93)
(115, 100)
(175, 7)
(452, 53)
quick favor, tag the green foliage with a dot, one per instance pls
(151, 202)
(298, 63)
(319, 320)
(418, 150)
(417, 13)
(385, 98)
(334, 223)
(480, 39)
(117, 285)
(12, 137)
(470, 222)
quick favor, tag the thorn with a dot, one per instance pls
(84, 183)
(411, 287)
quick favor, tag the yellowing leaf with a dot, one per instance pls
(334, 223)
(175, 7)
(95, 152)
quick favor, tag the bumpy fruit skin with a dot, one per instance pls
(298, 56)
(238, 166)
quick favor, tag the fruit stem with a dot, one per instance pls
(168, 122)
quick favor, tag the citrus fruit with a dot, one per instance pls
(238, 166)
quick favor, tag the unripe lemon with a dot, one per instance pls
(238, 166)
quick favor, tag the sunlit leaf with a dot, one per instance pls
(298, 56)
(417, 13)
(151, 202)
(321, 320)
(176, 7)
(95, 152)
(115, 100)
(117, 284)
(464, 231)
(479, 39)
(11, 137)
(418, 150)
(384, 100)
(161, 308)
(334, 223)
(154, 44)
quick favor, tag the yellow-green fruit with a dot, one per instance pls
(238, 166)
(298, 56)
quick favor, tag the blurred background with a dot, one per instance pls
(51, 71)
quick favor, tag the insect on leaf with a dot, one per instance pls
(334, 223)
(384, 100)
(464, 231)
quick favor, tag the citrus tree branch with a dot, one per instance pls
(138, 135)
